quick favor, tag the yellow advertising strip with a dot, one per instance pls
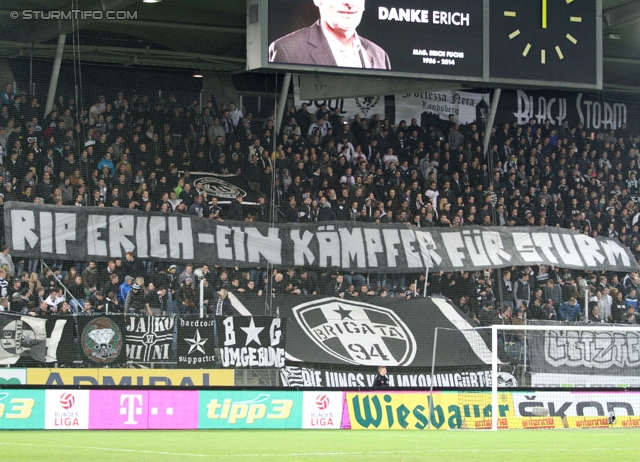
(453, 410)
(132, 377)
(410, 411)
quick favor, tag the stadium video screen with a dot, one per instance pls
(442, 37)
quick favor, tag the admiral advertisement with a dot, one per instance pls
(256, 341)
(596, 353)
(380, 332)
(441, 38)
(35, 231)
(130, 377)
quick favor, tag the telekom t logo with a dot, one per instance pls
(129, 408)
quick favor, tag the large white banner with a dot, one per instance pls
(466, 107)
(365, 106)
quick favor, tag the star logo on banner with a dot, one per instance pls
(252, 333)
(344, 314)
(197, 343)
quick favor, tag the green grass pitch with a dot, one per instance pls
(326, 445)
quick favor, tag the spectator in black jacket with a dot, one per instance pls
(236, 210)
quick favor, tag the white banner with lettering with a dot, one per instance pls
(82, 233)
(466, 107)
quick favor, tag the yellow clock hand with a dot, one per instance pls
(544, 14)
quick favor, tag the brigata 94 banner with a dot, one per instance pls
(82, 233)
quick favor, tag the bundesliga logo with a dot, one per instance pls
(322, 401)
(67, 401)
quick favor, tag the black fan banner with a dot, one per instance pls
(196, 343)
(25, 339)
(83, 233)
(102, 339)
(149, 338)
(375, 331)
(253, 341)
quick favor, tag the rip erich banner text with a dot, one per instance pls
(70, 233)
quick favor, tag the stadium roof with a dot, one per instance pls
(210, 35)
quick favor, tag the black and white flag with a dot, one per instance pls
(256, 341)
(38, 339)
(196, 343)
(149, 338)
(375, 331)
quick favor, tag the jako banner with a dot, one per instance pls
(83, 233)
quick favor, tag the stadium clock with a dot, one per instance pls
(544, 39)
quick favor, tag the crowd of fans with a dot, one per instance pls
(139, 154)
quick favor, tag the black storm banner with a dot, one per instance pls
(253, 341)
(593, 111)
(83, 233)
(149, 338)
(594, 352)
(196, 343)
(375, 331)
(28, 338)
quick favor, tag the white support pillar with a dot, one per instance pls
(282, 102)
(492, 118)
(57, 62)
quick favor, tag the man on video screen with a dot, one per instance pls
(332, 40)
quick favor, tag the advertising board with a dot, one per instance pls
(250, 409)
